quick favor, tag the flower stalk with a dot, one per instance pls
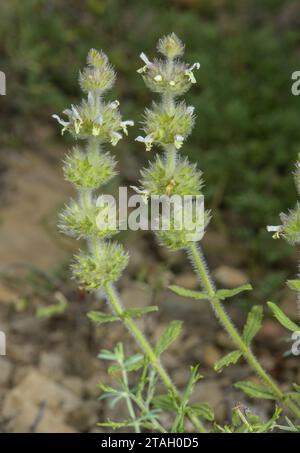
(96, 122)
(167, 125)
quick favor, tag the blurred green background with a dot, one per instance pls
(247, 133)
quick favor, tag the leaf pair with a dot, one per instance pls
(221, 294)
(252, 326)
(103, 318)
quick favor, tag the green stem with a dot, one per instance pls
(128, 400)
(170, 160)
(218, 308)
(143, 343)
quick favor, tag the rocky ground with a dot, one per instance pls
(48, 379)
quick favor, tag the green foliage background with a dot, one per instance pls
(247, 133)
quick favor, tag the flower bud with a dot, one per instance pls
(170, 46)
(186, 179)
(105, 265)
(168, 127)
(89, 170)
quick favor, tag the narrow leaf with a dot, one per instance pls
(254, 390)
(226, 293)
(282, 318)
(232, 357)
(139, 312)
(168, 337)
(101, 318)
(253, 323)
(203, 410)
(199, 295)
(164, 402)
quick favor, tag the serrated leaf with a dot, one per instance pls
(168, 337)
(254, 390)
(102, 318)
(164, 402)
(199, 295)
(253, 323)
(232, 357)
(226, 293)
(282, 318)
(139, 312)
(294, 284)
(203, 410)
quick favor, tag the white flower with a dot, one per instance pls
(146, 61)
(114, 105)
(99, 119)
(172, 83)
(189, 72)
(115, 137)
(190, 109)
(124, 125)
(60, 121)
(148, 140)
(158, 78)
(178, 141)
(276, 229)
(144, 193)
(95, 130)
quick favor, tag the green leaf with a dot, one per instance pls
(282, 318)
(203, 410)
(51, 310)
(168, 337)
(199, 295)
(294, 284)
(102, 318)
(164, 402)
(253, 323)
(226, 293)
(295, 396)
(232, 357)
(139, 312)
(254, 390)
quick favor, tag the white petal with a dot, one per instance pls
(272, 228)
(114, 105)
(195, 66)
(145, 59)
(60, 121)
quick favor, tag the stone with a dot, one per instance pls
(210, 355)
(136, 295)
(52, 364)
(187, 280)
(37, 388)
(290, 306)
(40, 403)
(5, 371)
(74, 384)
(230, 277)
(212, 393)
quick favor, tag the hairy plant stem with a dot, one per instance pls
(145, 346)
(199, 262)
